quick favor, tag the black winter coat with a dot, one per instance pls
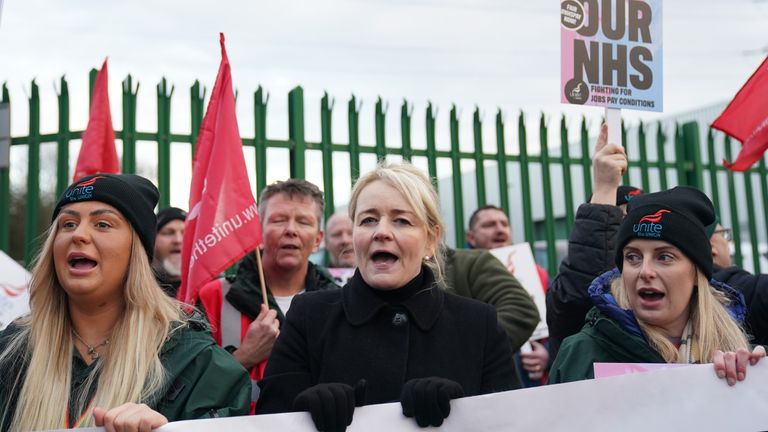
(755, 290)
(591, 252)
(354, 333)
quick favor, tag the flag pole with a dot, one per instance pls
(261, 278)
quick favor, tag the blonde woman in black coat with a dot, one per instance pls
(391, 334)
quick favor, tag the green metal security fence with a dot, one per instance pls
(674, 156)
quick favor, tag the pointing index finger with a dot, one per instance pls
(602, 139)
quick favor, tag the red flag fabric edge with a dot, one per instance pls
(752, 150)
(746, 119)
(97, 151)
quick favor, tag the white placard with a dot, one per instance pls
(14, 295)
(521, 257)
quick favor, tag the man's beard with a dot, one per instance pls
(172, 267)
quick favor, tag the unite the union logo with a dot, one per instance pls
(649, 225)
(82, 190)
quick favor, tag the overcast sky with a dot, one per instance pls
(490, 53)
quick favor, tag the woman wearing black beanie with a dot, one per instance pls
(102, 344)
(660, 304)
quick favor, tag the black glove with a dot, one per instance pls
(331, 404)
(429, 399)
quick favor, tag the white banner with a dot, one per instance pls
(14, 296)
(683, 399)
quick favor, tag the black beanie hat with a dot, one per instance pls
(134, 196)
(625, 193)
(168, 214)
(677, 216)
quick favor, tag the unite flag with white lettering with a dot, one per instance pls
(222, 224)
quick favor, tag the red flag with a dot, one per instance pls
(746, 119)
(97, 152)
(223, 222)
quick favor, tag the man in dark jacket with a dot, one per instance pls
(754, 287)
(290, 214)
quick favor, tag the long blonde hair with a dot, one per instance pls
(130, 372)
(713, 328)
(417, 189)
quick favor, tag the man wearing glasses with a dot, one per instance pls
(754, 287)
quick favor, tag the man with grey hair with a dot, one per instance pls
(290, 213)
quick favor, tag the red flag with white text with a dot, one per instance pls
(223, 223)
(97, 152)
(746, 119)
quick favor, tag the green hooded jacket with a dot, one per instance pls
(203, 380)
(601, 340)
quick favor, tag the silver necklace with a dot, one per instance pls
(92, 348)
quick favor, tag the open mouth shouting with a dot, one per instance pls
(383, 259)
(650, 297)
(80, 263)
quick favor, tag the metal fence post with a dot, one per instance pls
(477, 133)
(713, 170)
(549, 214)
(405, 130)
(641, 142)
(196, 112)
(458, 196)
(735, 226)
(661, 139)
(525, 181)
(260, 129)
(62, 142)
(164, 142)
(33, 177)
(692, 155)
(501, 162)
(326, 108)
(296, 132)
(431, 145)
(586, 160)
(129, 125)
(565, 156)
(380, 124)
(353, 123)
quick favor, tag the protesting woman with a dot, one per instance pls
(659, 305)
(102, 344)
(391, 334)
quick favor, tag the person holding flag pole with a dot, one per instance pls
(223, 225)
